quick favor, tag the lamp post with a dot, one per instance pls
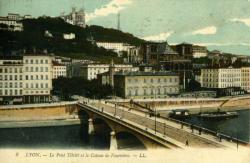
(155, 108)
(155, 120)
(164, 129)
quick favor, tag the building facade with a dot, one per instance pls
(12, 22)
(221, 77)
(199, 51)
(11, 80)
(245, 78)
(27, 79)
(37, 72)
(146, 84)
(117, 47)
(59, 70)
(75, 17)
(90, 71)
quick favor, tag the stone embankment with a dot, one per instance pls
(36, 115)
(194, 105)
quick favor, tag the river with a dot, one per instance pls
(237, 127)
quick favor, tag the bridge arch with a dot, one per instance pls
(128, 140)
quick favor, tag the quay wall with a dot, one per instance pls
(38, 112)
(194, 105)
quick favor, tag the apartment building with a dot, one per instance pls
(58, 70)
(37, 72)
(221, 77)
(90, 71)
(11, 79)
(245, 78)
(25, 79)
(146, 84)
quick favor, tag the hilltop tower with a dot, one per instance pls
(118, 22)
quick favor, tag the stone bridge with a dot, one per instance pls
(117, 122)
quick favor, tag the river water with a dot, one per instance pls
(76, 136)
(237, 127)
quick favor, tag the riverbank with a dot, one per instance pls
(40, 123)
(39, 115)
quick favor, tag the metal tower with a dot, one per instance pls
(118, 21)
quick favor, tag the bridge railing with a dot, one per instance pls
(219, 135)
(126, 123)
(201, 129)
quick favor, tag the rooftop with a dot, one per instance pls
(159, 73)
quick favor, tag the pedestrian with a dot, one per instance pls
(187, 142)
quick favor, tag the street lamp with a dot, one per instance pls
(155, 120)
(164, 129)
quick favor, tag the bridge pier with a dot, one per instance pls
(113, 141)
(91, 127)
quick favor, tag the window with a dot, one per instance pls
(20, 70)
(26, 69)
(46, 77)
(36, 85)
(11, 92)
(27, 85)
(41, 85)
(10, 70)
(20, 77)
(10, 85)
(6, 77)
(27, 77)
(31, 77)
(15, 70)
(46, 85)
(36, 61)
(31, 69)
(20, 92)
(1, 70)
(37, 69)
(6, 70)
(41, 69)
(46, 61)
(41, 61)
(41, 77)
(20, 85)
(31, 61)
(15, 77)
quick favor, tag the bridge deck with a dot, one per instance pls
(166, 127)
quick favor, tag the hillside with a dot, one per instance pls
(34, 36)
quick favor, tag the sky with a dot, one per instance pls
(218, 24)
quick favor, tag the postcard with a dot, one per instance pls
(124, 81)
